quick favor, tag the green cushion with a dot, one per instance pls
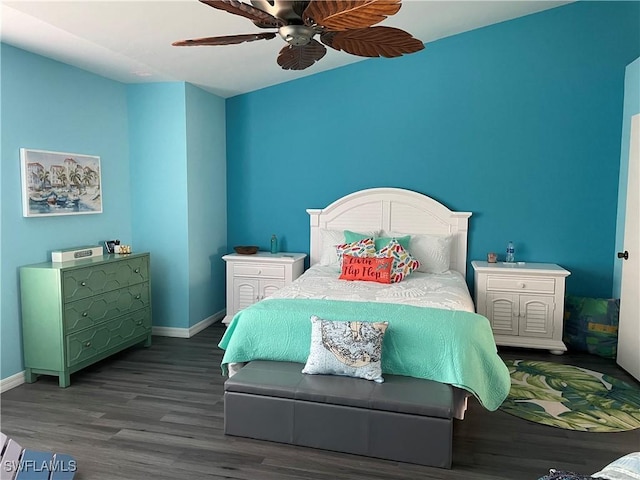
(382, 242)
(351, 237)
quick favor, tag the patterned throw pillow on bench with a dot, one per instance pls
(351, 349)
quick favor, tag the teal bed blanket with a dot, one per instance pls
(447, 346)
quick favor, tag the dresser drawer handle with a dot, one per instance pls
(138, 297)
(84, 314)
(137, 270)
(521, 284)
(88, 344)
(83, 284)
(139, 322)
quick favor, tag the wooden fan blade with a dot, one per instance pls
(227, 40)
(299, 6)
(299, 58)
(373, 42)
(260, 18)
(341, 15)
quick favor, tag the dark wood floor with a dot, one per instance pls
(157, 413)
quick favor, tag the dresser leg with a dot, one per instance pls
(29, 376)
(64, 380)
(147, 342)
(556, 352)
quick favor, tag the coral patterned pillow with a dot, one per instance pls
(368, 269)
(403, 262)
(362, 248)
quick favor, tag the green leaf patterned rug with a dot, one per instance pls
(571, 397)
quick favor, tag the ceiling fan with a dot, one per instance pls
(341, 24)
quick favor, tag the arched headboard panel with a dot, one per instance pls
(392, 210)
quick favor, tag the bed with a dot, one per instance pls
(433, 332)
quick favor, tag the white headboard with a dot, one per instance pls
(392, 210)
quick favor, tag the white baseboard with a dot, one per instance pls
(187, 332)
(11, 382)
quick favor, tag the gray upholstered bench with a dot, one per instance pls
(403, 419)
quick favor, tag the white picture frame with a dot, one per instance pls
(60, 183)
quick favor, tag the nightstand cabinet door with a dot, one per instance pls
(79, 312)
(268, 287)
(245, 293)
(251, 278)
(502, 312)
(536, 316)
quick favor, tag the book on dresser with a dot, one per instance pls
(78, 312)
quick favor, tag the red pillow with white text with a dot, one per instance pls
(368, 269)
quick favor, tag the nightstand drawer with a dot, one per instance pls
(521, 284)
(259, 270)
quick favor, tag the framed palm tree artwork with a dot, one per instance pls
(58, 183)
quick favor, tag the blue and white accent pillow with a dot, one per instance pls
(352, 349)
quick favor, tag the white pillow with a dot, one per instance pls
(352, 349)
(432, 251)
(328, 241)
(625, 468)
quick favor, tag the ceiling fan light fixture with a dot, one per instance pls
(343, 25)
(297, 35)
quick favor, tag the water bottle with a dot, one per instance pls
(274, 244)
(510, 258)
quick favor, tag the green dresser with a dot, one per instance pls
(78, 312)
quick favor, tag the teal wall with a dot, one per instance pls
(178, 177)
(47, 105)
(518, 122)
(158, 156)
(631, 108)
(207, 198)
(157, 115)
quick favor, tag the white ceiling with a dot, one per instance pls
(130, 41)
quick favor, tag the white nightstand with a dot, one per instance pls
(250, 278)
(524, 303)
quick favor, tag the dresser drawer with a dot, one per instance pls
(259, 270)
(521, 284)
(84, 345)
(99, 308)
(91, 280)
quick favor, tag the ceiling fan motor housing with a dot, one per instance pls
(296, 35)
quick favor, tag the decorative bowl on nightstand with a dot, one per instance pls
(246, 249)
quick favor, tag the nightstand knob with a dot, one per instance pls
(139, 322)
(137, 270)
(83, 284)
(88, 344)
(84, 314)
(521, 284)
(138, 297)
